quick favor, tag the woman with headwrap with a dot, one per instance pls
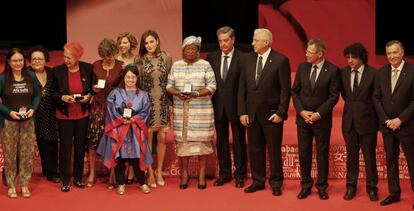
(192, 83)
(72, 92)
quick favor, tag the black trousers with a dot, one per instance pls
(48, 150)
(305, 141)
(120, 170)
(72, 132)
(392, 143)
(260, 135)
(223, 147)
(367, 143)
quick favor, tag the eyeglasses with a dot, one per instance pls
(37, 59)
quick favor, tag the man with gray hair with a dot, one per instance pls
(263, 103)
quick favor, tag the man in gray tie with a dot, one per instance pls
(263, 105)
(394, 103)
(315, 92)
(227, 64)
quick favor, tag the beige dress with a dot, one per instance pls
(153, 79)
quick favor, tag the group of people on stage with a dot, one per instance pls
(116, 106)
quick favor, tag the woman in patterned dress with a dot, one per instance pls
(192, 83)
(107, 69)
(154, 66)
(45, 124)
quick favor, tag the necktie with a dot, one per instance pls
(259, 69)
(225, 67)
(355, 85)
(394, 79)
(313, 76)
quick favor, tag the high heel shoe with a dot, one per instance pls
(151, 182)
(121, 189)
(26, 192)
(184, 185)
(160, 180)
(12, 193)
(90, 183)
(202, 186)
(145, 189)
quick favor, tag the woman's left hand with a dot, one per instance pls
(30, 113)
(85, 99)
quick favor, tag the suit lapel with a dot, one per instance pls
(401, 78)
(233, 62)
(216, 65)
(267, 66)
(363, 79)
(322, 75)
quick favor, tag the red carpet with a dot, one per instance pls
(47, 196)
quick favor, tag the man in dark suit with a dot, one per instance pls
(359, 120)
(315, 92)
(227, 64)
(263, 103)
(393, 100)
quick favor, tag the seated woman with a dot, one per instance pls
(125, 134)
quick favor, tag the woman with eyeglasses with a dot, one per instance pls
(45, 124)
(19, 91)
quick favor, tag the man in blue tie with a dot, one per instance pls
(227, 63)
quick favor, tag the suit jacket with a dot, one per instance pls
(61, 84)
(225, 97)
(323, 97)
(359, 109)
(271, 94)
(400, 103)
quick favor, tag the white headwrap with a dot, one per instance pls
(192, 40)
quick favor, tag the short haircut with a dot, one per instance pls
(107, 47)
(225, 29)
(266, 32)
(39, 48)
(357, 50)
(319, 44)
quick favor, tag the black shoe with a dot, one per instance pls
(221, 181)
(390, 199)
(323, 194)
(373, 195)
(349, 194)
(65, 188)
(276, 191)
(202, 187)
(304, 192)
(53, 179)
(253, 188)
(184, 185)
(79, 184)
(239, 183)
